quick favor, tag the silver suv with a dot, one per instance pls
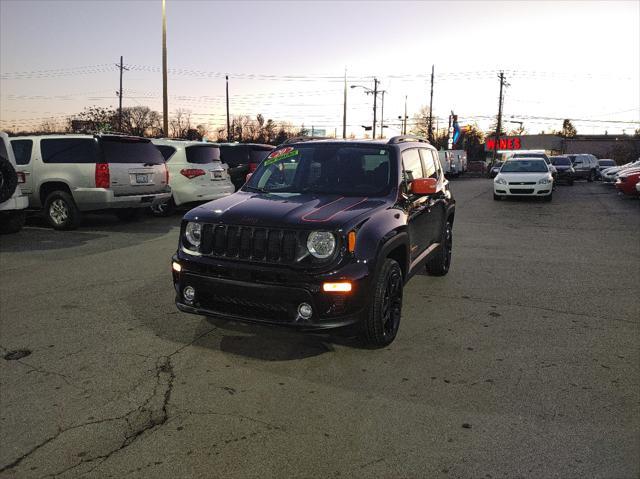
(68, 174)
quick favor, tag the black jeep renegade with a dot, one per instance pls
(324, 234)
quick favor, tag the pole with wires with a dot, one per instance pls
(121, 67)
(375, 105)
(344, 108)
(430, 124)
(165, 101)
(499, 122)
(229, 135)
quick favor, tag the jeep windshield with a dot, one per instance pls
(345, 170)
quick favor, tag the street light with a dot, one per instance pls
(374, 92)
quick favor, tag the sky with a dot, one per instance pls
(287, 60)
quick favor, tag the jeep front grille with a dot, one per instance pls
(269, 245)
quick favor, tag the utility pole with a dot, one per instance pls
(405, 115)
(229, 134)
(121, 67)
(165, 101)
(344, 111)
(375, 105)
(499, 123)
(382, 116)
(430, 132)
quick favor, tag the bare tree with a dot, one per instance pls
(140, 121)
(180, 124)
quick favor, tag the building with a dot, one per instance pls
(621, 148)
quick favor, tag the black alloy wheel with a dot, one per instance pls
(439, 264)
(382, 322)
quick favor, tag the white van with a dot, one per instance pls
(453, 162)
(12, 201)
(196, 173)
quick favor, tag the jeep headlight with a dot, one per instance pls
(544, 181)
(321, 244)
(193, 234)
(501, 181)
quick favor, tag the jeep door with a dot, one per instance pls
(435, 203)
(417, 206)
(136, 166)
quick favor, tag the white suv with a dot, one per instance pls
(12, 201)
(196, 174)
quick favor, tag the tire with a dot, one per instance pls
(548, 198)
(164, 209)
(8, 180)
(383, 318)
(497, 197)
(12, 221)
(591, 176)
(61, 211)
(570, 182)
(439, 263)
(129, 214)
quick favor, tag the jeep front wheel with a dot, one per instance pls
(383, 319)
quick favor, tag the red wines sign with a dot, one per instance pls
(502, 144)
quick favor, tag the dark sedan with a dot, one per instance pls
(563, 165)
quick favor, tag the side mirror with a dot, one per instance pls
(424, 186)
(248, 177)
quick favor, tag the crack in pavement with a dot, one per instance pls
(151, 414)
(551, 310)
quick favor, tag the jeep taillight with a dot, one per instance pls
(21, 177)
(166, 174)
(103, 179)
(192, 172)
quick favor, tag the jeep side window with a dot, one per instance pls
(166, 150)
(411, 165)
(22, 151)
(436, 161)
(429, 166)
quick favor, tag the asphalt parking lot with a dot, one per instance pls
(523, 362)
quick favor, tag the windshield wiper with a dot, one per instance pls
(255, 188)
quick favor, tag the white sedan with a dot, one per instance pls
(523, 177)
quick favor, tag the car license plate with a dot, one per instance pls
(216, 175)
(142, 179)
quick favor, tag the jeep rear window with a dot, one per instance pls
(324, 169)
(560, 161)
(202, 154)
(68, 150)
(124, 150)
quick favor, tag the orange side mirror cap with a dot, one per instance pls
(424, 186)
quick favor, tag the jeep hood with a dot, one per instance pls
(284, 210)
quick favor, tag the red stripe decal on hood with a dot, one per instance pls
(330, 210)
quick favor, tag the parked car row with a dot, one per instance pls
(626, 178)
(67, 175)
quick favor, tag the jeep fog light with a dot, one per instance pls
(305, 311)
(176, 267)
(189, 294)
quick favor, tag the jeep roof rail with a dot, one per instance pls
(407, 138)
(299, 139)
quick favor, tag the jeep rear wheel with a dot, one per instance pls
(438, 265)
(61, 211)
(383, 319)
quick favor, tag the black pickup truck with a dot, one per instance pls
(325, 234)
